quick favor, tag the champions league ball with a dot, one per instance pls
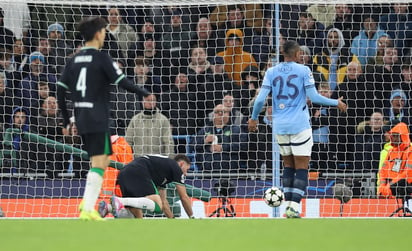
(273, 197)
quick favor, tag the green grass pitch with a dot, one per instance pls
(206, 234)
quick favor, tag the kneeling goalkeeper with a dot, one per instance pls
(143, 186)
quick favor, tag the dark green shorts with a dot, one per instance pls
(136, 181)
(97, 143)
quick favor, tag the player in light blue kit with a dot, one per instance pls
(291, 83)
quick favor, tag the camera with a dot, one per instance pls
(224, 187)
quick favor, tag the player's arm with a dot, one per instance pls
(186, 202)
(165, 204)
(257, 107)
(315, 97)
(62, 87)
(129, 86)
(259, 102)
(61, 99)
(116, 76)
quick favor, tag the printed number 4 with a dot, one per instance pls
(81, 82)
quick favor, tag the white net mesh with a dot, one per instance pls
(183, 55)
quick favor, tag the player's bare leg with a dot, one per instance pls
(136, 212)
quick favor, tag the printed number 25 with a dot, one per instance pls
(285, 93)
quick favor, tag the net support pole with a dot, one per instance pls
(275, 147)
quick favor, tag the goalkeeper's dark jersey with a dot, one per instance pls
(162, 170)
(88, 76)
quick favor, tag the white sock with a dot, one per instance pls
(142, 203)
(294, 205)
(92, 190)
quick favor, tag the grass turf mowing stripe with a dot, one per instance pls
(205, 234)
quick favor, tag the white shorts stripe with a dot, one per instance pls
(296, 144)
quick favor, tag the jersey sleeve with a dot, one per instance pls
(62, 87)
(64, 80)
(316, 98)
(311, 91)
(261, 98)
(117, 77)
(112, 70)
(308, 79)
(178, 176)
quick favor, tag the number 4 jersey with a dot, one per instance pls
(88, 76)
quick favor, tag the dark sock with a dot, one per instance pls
(287, 179)
(299, 185)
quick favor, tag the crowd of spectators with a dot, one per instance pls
(204, 67)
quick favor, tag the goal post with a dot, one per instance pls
(205, 62)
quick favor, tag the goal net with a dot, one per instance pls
(205, 62)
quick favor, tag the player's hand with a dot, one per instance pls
(209, 138)
(216, 148)
(316, 114)
(252, 125)
(341, 105)
(384, 190)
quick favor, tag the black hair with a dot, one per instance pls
(42, 83)
(290, 48)
(149, 36)
(183, 157)
(305, 14)
(251, 70)
(372, 16)
(407, 61)
(234, 7)
(390, 125)
(149, 20)
(40, 38)
(89, 26)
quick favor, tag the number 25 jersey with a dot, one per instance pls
(288, 82)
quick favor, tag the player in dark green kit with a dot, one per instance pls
(89, 77)
(143, 185)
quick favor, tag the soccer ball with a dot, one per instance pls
(273, 197)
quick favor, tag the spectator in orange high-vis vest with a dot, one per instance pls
(395, 176)
(122, 152)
